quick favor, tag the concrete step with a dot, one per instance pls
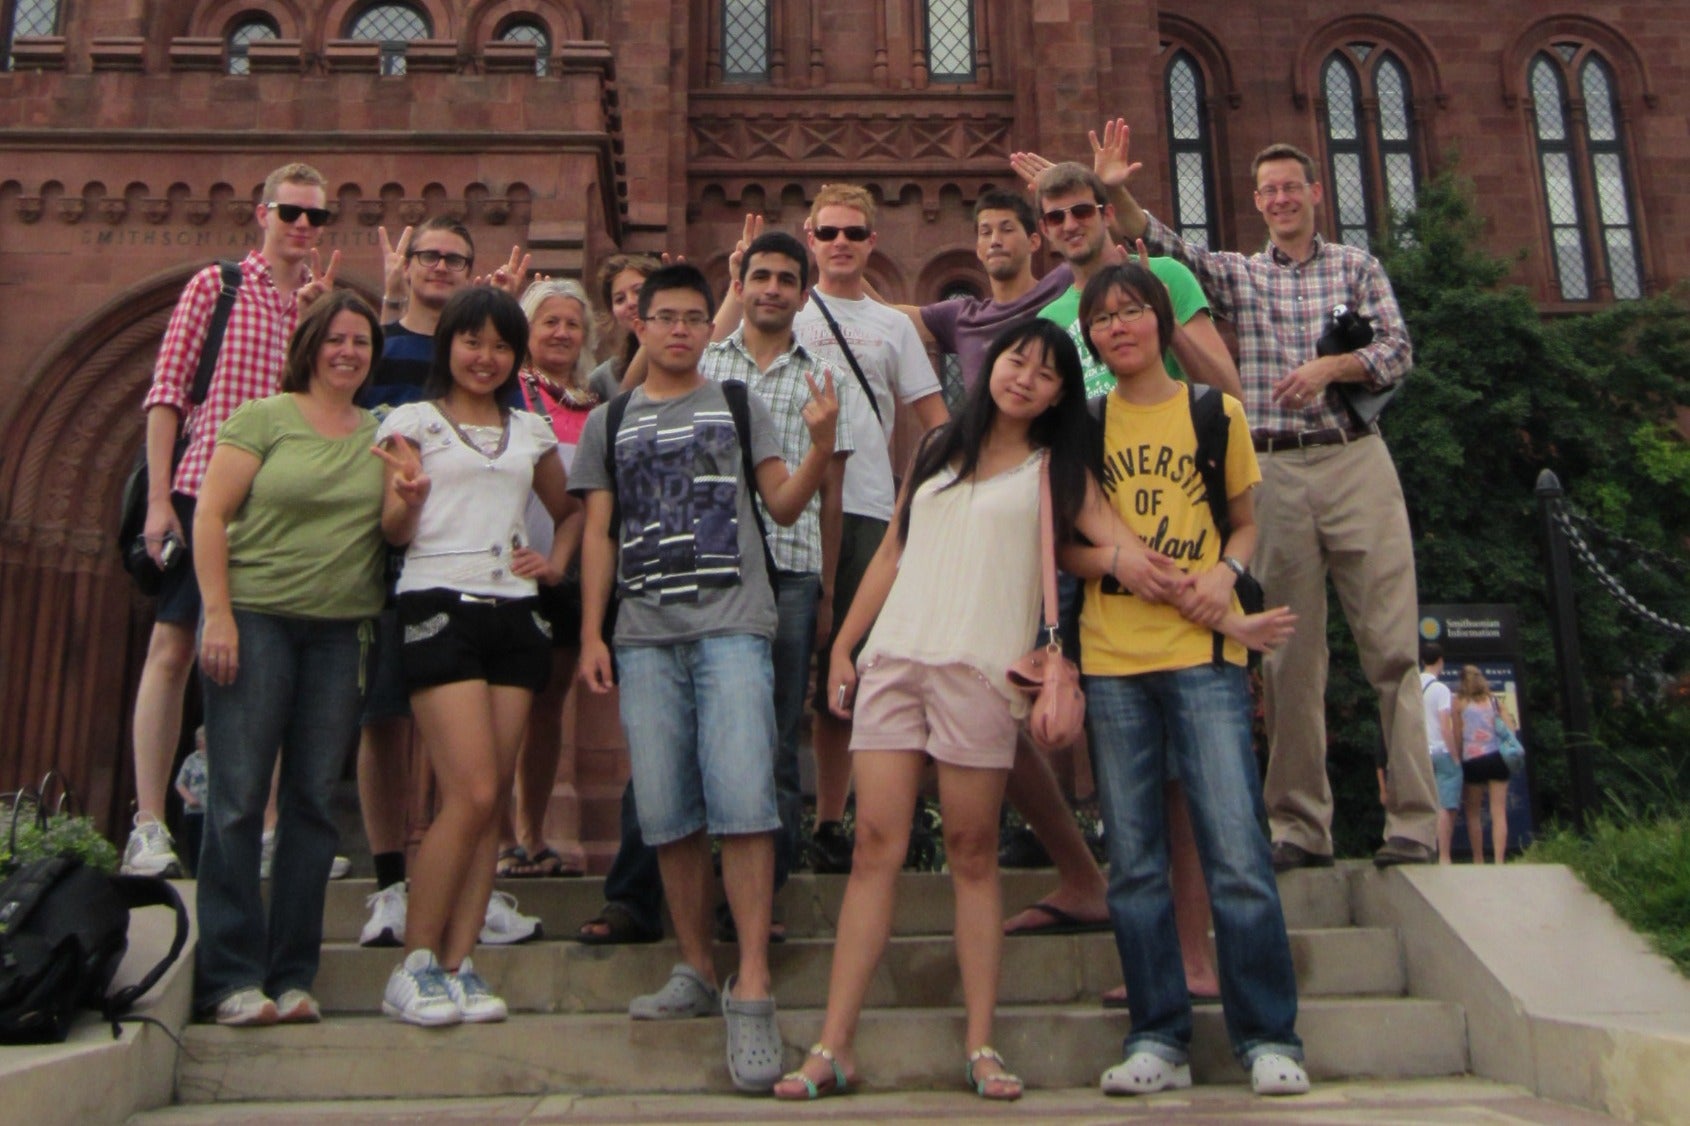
(918, 971)
(809, 904)
(920, 1048)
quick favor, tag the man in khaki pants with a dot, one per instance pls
(1329, 502)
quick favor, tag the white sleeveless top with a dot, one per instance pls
(967, 590)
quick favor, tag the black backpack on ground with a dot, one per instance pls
(1214, 432)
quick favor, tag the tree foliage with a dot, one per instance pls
(1499, 393)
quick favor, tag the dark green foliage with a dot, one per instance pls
(1498, 394)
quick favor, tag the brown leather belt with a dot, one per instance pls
(1268, 441)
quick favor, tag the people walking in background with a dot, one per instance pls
(1440, 739)
(1475, 714)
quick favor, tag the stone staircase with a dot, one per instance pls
(569, 1030)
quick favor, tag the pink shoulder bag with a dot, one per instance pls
(1051, 679)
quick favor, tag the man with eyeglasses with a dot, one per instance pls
(852, 333)
(1330, 500)
(293, 208)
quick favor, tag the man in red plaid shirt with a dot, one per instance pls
(1329, 502)
(291, 213)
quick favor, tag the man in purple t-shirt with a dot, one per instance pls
(1006, 232)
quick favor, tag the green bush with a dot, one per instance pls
(64, 835)
(1641, 866)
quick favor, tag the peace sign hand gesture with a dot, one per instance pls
(821, 413)
(410, 484)
(322, 281)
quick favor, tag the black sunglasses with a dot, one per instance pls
(290, 213)
(854, 233)
(1080, 211)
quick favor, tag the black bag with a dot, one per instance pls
(64, 928)
(1349, 331)
(132, 510)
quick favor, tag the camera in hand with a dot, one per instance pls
(1346, 331)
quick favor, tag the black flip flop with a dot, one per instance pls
(1061, 922)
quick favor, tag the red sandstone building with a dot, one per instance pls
(133, 138)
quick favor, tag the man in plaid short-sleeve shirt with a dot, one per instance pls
(291, 213)
(1329, 502)
(762, 353)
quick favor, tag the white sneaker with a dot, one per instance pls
(150, 851)
(505, 925)
(1274, 1074)
(417, 993)
(477, 1003)
(296, 1006)
(1145, 1073)
(247, 1008)
(387, 918)
(340, 868)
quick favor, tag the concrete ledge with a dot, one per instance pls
(92, 1078)
(1561, 996)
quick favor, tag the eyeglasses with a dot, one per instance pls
(457, 263)
(1056, 216)
(1127, 314)
(1289, 191)
(854, 233)
(290, 213)
(667, 320)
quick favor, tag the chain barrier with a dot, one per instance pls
(1571, 524)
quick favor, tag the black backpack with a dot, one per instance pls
(64, 928)
(1214, 431)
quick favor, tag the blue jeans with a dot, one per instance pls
(796, 595)
(297, 691)
(700, 721)
(1200, 716)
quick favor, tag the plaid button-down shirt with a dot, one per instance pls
(249, 364)
(1281, 307)
(785, 391)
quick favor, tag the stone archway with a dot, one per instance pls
(72, 629)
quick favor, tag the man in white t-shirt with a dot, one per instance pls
(894, 363)
(1446, 769)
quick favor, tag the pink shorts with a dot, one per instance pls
(950, 711)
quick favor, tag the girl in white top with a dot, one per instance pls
(958, 578)
(460, 468)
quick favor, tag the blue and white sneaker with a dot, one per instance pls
(417, 993)
(476, 1001)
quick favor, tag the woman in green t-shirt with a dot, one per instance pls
(288, 551)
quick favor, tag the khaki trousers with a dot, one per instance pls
(1339, 510)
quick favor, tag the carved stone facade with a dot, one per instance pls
(129, 156)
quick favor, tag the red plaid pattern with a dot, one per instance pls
(249, 365)
(1280, 308)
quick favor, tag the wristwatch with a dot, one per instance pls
(1234, 566)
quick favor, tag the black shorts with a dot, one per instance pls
(1485, 768)
(561, 606)
(179, 588)
(449, 637)
(859, 539)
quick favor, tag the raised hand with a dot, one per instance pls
(821, 413)
(671, 259)
(510, 276)
(753, 228)
(1109, 157)
(395, 281)
(1029, 166)
(322, 280)
(410, 483)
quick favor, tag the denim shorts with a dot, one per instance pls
(449, 637)
(700, 721)
(179, 590)
(1448, 774)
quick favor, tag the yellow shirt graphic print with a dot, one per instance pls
(1150, 476)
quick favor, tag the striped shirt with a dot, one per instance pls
(1281, 307)
(249, 364)
(785, 391)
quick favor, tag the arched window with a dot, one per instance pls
(1586, 184)
(1191, 147)
(1371, 165)
(950, 40)
(393, 25)
(530, 31)
(745, 40)
(250, 28)
(27, 17)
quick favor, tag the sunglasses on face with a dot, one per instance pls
(457, 263)
(854, 233)
(1056, 216)
(290, 213)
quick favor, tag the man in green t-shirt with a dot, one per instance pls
(1074, 213)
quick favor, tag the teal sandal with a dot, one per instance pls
(839, 1084)
(1004, 1077)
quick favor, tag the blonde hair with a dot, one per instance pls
(541, 292)
(1473, 684)
(844, 195)
(295, 173)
